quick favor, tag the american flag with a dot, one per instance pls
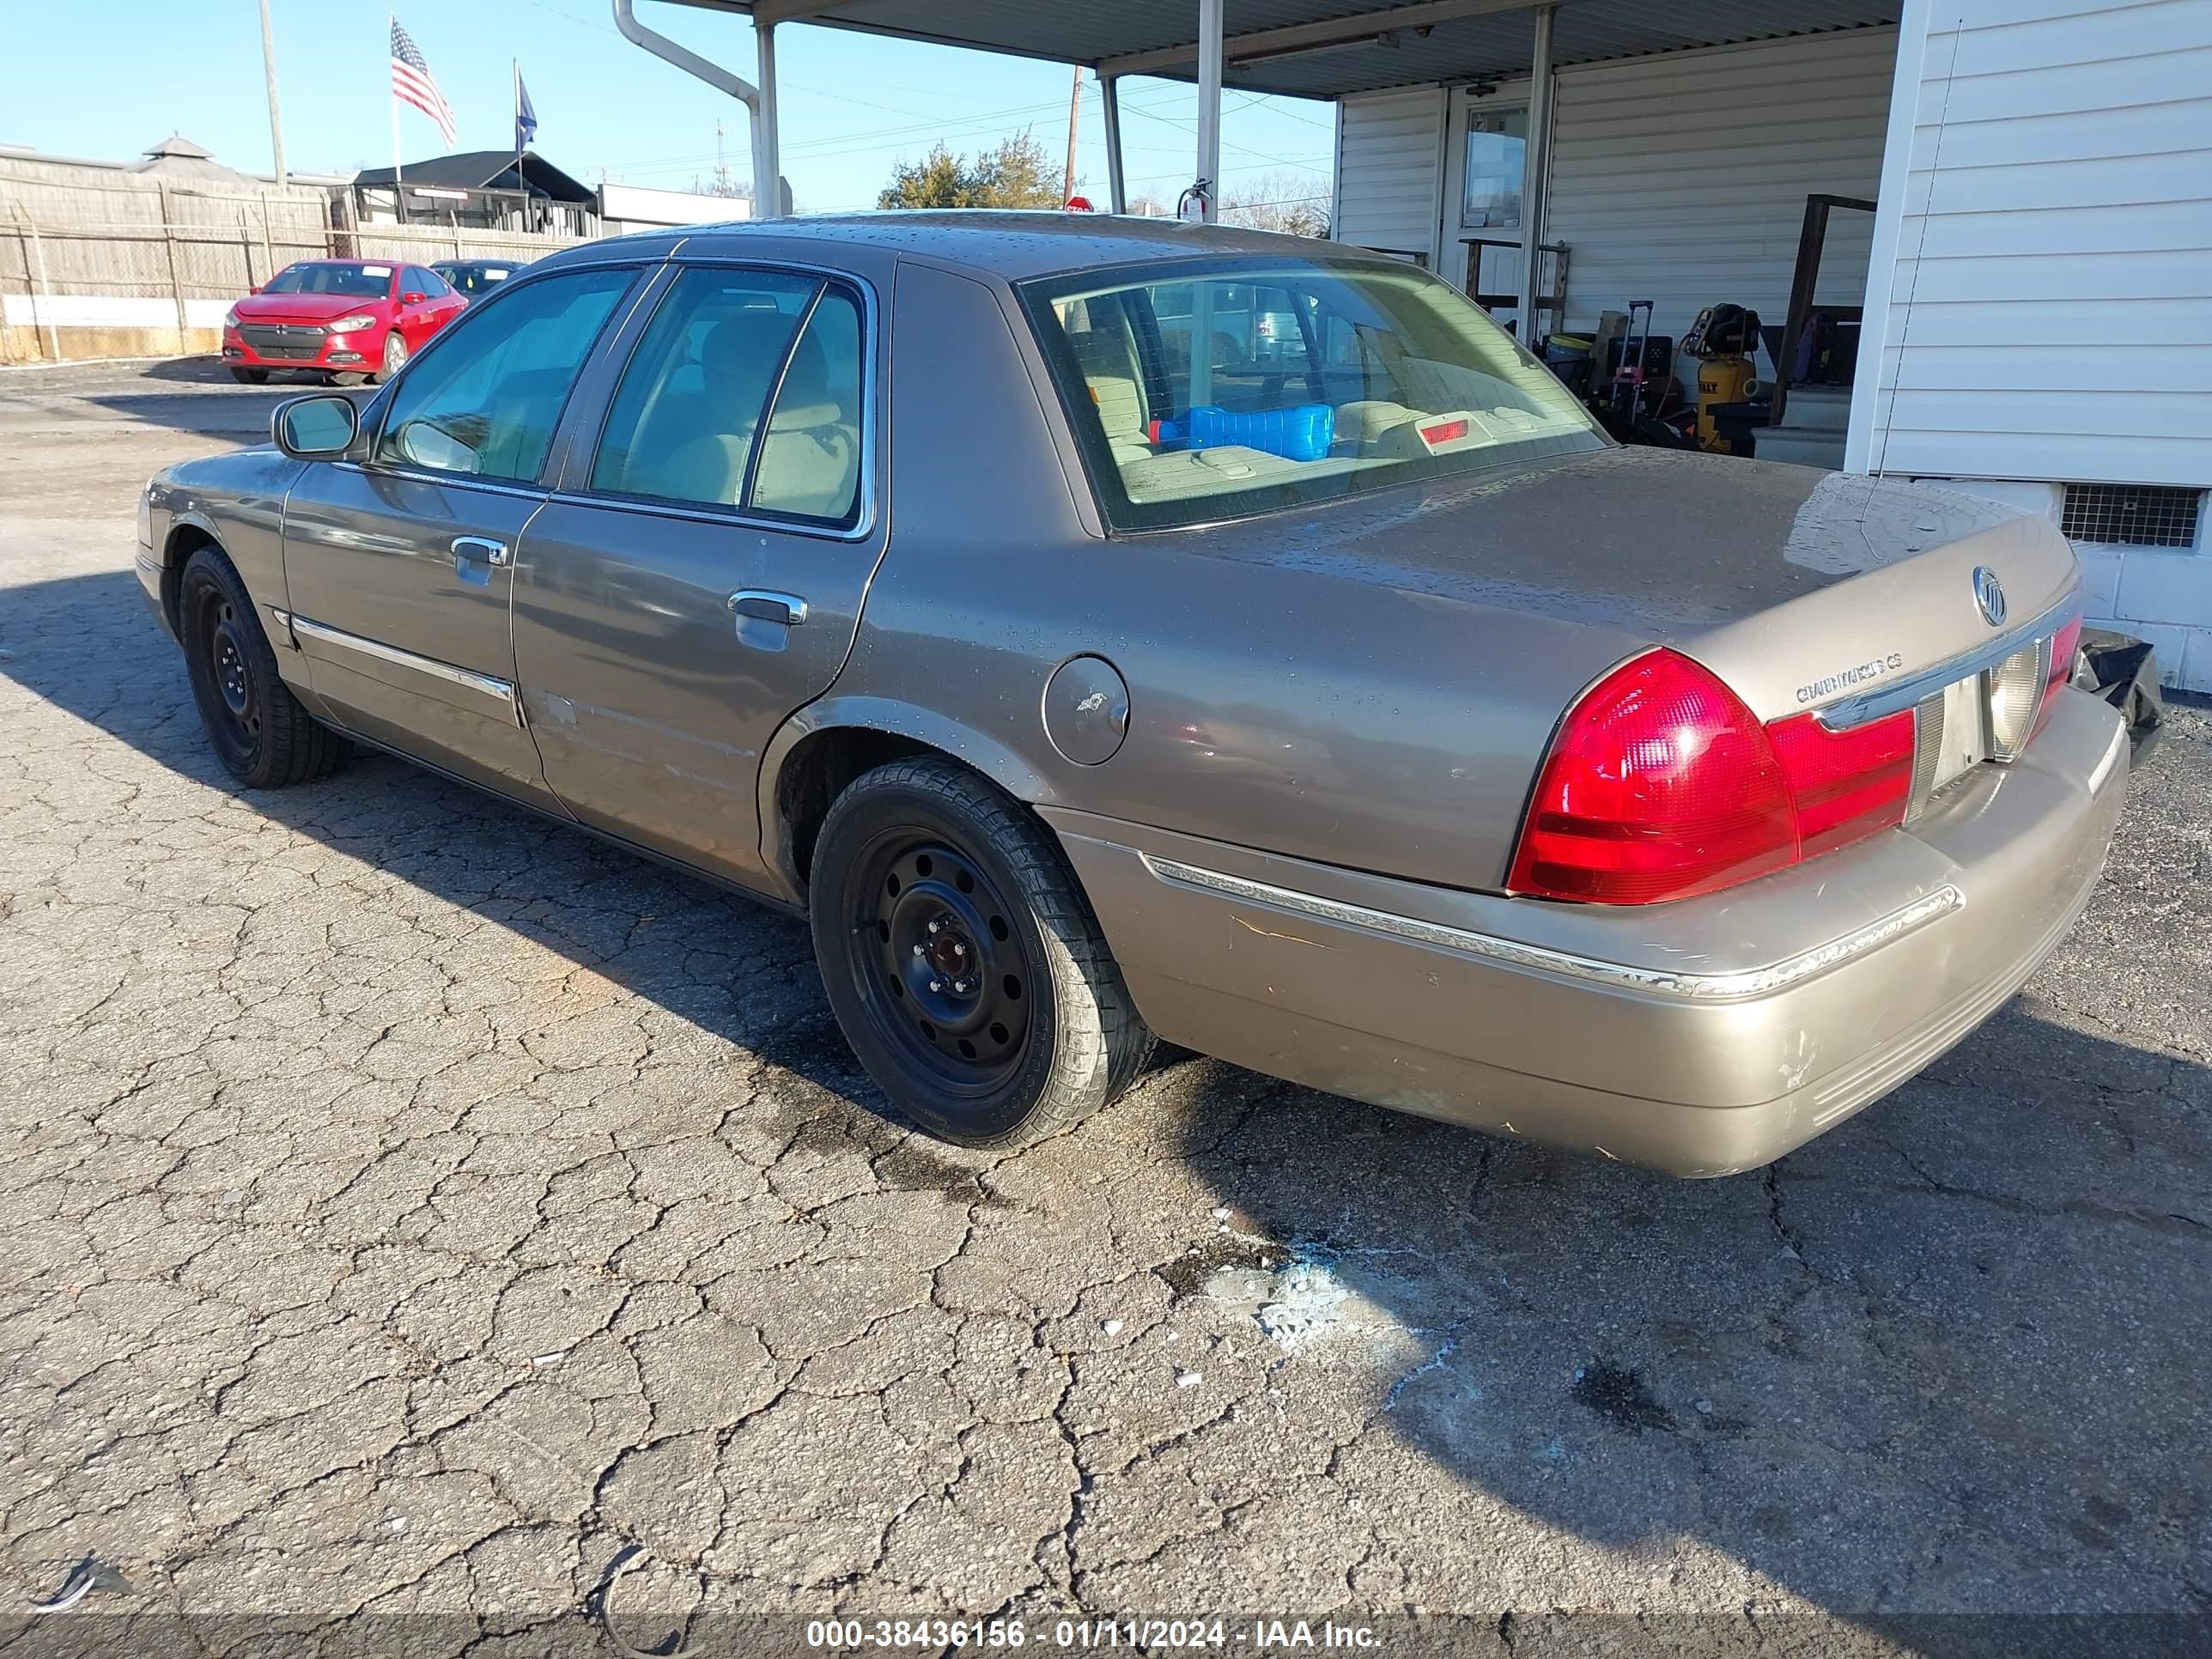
(413, 83)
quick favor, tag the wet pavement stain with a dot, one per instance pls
(1619, 1396)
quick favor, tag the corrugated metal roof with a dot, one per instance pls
(1486, 47)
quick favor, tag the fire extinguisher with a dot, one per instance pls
(1195, 206)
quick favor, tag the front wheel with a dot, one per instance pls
(250, 376)
(395, 357)
(257, 728)
(963, 961)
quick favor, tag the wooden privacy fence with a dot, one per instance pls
(122, 282)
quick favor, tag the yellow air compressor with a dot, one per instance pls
(1725, 341)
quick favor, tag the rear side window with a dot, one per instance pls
(745, 392)
(484, 401)
(809, 465)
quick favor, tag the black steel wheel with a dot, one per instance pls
(963, 961)
(249, 376)
(256, 726)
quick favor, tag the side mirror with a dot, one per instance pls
(412, 299)
(255, 288)
(315, 428)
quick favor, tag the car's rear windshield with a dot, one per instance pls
(474, 279)
(355, 281)
(1322, 377)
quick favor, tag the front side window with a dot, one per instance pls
(1228, 390)
(427, 284)
(744, 393)
(350, 280)
(485, 399)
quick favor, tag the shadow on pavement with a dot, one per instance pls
(1951, 1355)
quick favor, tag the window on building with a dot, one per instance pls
(1497, 140)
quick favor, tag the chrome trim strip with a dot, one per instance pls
(498, 690)
(1898, 694)
(1619, 975)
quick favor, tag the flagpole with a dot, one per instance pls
(399, 189)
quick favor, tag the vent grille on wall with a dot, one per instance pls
(2136, 516)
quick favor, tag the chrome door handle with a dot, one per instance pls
(480, 547)
(762, 605)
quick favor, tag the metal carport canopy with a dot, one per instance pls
(1304, 48)
(1319, 48)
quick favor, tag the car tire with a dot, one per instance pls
(395, 357)
(256, 726)
(963, 962)
(250, 376)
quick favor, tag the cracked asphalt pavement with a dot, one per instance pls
(408, 1205)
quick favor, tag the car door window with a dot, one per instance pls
(486, 400)
(683, 422)
(809, 465)
(428, 283)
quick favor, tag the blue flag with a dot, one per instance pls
(525, 119)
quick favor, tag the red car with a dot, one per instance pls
(347, 320)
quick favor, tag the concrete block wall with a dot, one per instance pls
(2162, 594)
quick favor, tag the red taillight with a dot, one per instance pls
(1845, 785)
(1663, 785)
(2063, 644)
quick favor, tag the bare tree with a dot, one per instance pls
(1295, 204)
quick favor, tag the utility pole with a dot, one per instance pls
(269, 69)
(1074, 126)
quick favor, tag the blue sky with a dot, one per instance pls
(853, 103)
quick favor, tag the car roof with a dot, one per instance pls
(1013, 246)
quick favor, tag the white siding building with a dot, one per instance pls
(2036, 276)
(2045, 267)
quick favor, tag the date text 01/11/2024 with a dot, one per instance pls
(934, 1635)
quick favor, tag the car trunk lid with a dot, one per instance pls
(1801, 588)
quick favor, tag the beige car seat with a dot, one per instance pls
(1106, 351)
(737, 358)
(809, 461)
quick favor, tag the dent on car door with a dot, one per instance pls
(398, 559)
(699, 574)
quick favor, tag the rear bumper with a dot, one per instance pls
(1701, 1038)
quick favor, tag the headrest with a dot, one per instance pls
(747, 345)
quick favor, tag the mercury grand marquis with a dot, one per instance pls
(1090, 671)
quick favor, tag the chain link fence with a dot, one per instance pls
(89, 272)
